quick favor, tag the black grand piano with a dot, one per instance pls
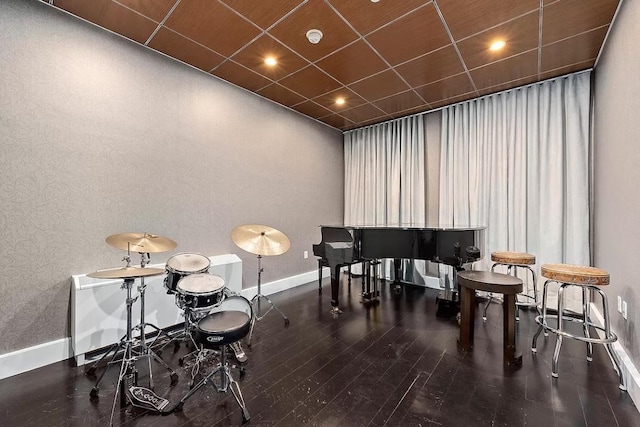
(345, 245)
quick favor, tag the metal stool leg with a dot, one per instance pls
(556, 352)
(541, 319)
(609, 347)
(585, 322)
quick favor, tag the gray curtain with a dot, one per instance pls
(518, 163)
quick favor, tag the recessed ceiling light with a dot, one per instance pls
(497, 45)
(270, 61)
(340, 101)
(375, 1)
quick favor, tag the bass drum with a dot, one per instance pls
(182, 265)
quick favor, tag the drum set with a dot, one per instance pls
(215, 317)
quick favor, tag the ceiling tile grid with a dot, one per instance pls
(383, 59)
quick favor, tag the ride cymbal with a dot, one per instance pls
(260, 239)
(125, 273)
(141, 242)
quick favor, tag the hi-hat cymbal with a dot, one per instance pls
(141, 242)
(126, 273)
(260, 239)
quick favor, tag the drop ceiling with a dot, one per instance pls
(386, 59)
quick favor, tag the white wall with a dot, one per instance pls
(99, 135)
(617, 171)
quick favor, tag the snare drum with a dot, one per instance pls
(200, 292)
(182, 265)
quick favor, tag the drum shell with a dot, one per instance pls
(200, 292)
(174, 274)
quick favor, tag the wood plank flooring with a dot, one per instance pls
(392, 364)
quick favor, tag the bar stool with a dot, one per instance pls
(587, 279)
(513, 261)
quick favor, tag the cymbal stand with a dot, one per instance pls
(255, 301)
(128, 372)
(114, 348)
(145, 350)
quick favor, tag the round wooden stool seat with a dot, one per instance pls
(575, 274)
(513, 258)
(490, 282)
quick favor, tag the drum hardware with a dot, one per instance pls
(261, 240)
(228, 323)
(128, 375)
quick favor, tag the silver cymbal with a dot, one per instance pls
(126, 273)
(260, 239)
(141, 242)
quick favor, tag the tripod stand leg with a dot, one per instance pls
(237, 394)
(96, 387)
(273, 306)
(172, 374)
(116, 346)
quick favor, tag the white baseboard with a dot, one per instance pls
(631, 374)
(34, 357)
(26, 359)
(284, 284)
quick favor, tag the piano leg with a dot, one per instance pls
(397, 263)
(319, 276)
(335, 289)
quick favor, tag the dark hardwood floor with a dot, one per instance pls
(392, 364)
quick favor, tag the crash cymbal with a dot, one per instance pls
(260, 239)
(126, 273)
(141, 242)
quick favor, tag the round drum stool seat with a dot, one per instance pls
(513, 258)
(513, 261)
(222, 328)
(586, 279)
(575, 274)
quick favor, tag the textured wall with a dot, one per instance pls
(99, 136)
(617, 171)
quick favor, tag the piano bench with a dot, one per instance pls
(513, 261)
(587, 279)
(488, 281)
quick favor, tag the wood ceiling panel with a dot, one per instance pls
(379, 86)
(573, 50)
(111, 16)
(517, 67)
(176, 46)
(520, 35)
(466, 18)
(281, 95)
(363, 113)
(568, 69)
(238, 75)
(431, 67)
(570, 17)
(400, 102)
(212, 24)
(253, 56)
(367, 16)
(154, 9)
(352, 63)
(453, 100)
(509, 85)
(328, 100)
(263, 13)
(337, 121)
(314, 14)
(312, 109)
(310, 82)
(413, 35)
(446, 88)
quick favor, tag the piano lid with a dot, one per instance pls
(407, 226)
